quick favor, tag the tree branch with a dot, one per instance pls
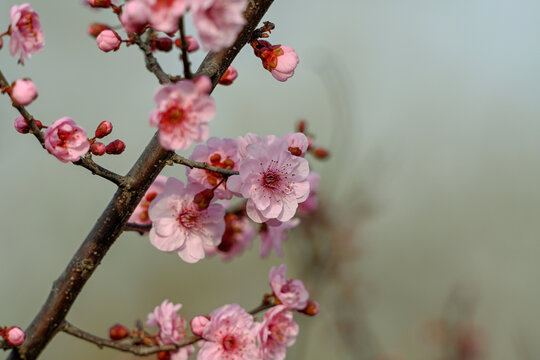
(4, 345)
(202, 165)
(111, 223)
(184, 46)
(151, 62)
(137, 227)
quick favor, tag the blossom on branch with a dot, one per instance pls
(292, 293)
(182, 114)
(140, 215)
(108, 40)
(280, 60)
(26, 33)
(65, 140)
(24, 91)
(278, 331)
(179, 226)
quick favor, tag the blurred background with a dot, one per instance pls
(426, 242)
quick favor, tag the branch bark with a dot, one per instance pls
(110, 224)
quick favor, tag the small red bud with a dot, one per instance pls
(118, 332)
(103, 129)
(164, 355)
(99, 3)
(301, 126)
(163, 44)
(38, 124)
(202, 199)
(96, 28)
(98, 148)
(192, 46)
(14, 336)
(321, 153)
(116, 147)
(311, 309)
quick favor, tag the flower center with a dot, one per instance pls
(229, 342)
(188, 219)
(171, 118)
(26, 27)
(271, 179)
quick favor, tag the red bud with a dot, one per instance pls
(311, 309)
(202, 199)
(118, 332)
(321, 153)
(116, 147)
(301, 126)
(103, 129)
(96, 28)
(98, 148)
(163, 44)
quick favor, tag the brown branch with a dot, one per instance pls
(184, 46)
(111, 223)
(202, 165)
(151, 62)
(137, 227)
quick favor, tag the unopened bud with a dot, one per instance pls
(163, 44)
(118, 332)
(108, 40)
(229, 76)
(22, 126)
(116, 147)
(98, 148)
(99, 3)
(23, 91)
(295, 150)
(96, 28)
(198, 323)
(203, 199)
(301, 126)
(311, 309)
(103, 129)
(321, 153)
(192, 46)
(164, 355)
(15, 336)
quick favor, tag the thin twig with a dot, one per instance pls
(151, 62)
(202, 165)
(184, 46)
(137, 227)
(4, 345)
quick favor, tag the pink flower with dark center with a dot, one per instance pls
(278, 331)
(221, 153)
(178, 225)
(272, 236)
(273, 180)
(172, 328)
(182, 114)
(230, 334)
(65, 140)
(291, 293)
(164, 14)
(239, 233)
(218, 22)
(311, 202)
(135, 15)
(140, 215)
(26, 34)
(280, 60)
(298, 143)
(24, 91)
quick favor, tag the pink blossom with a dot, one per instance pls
(239, 233)
(230, 334)
(178, 225)
(280, 60)
(99, 3)
(164, 14)
(311, 202)
(244, 141)
(140, 215)
(182, 114)
(272, 236)
(218, 22)
(298, 143)
(230, 75)
(172, 327)
(221, 153)
(26, 33)
(65, 140)
(135, 15)
(108, 40)
(278, 331)
(198, 324)
(24, 91)
(273, 180)
(22, 126)
(291, 293)
(15, 336)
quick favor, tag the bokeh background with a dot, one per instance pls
(427, 243)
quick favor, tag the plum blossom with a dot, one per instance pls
(22, 126)
(272, 236)
(172, 328)
(221, 153)
(311, 202)
(280, 60)
(182, 114)
(291, 293)
(218, 22)
(135, 15)
(24, 91)
(65, 140)
(230, 334)
(26, 33)
(239, 233)
(244, 141)
(298, 143)
(179, 226)
(15, 336)
(278, 331)
(108, 40)
(140, 215)
(272, 179)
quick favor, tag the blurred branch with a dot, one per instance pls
(4, 345)
(111, 222)
(151, 62)
(137, 227)
(177, 159)
(184, 46)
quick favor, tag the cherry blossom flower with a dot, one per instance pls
(172, 328)
(15, 336)
(164, 15)
(280, 60)
(140, 215)
(239, 233)
(182, 114)
(178, 225)
(24, 91)
(229, 76)
(198, 324)
(65, 140)
(273, 180)
(108, 40)
(272, 236)
(244, 141)
(26, 33)
(230, 334)
(218, 22)
(135, 15)
(278, 331)
(291, 293)
(221, 153)
(22, 126)
(298, 143)
(311, 202)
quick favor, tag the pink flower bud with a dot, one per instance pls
(198, 323)
(230, 75)
(96, 28)
(21, 125)
(15, 336)
(99, 3)
(98, 148)
(135, 16)
(108, 40)
(163, 44)
(116, 147)
(103, 129)
(193, 44)
(118, 332)
(24, 91)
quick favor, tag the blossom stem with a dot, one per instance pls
(184, 47)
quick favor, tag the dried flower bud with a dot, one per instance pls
(98, 148)
(103, 129)
(311, 309)
(118, 332)
(203, 199)
(116, 147)
(15, 336)
(96, 28)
